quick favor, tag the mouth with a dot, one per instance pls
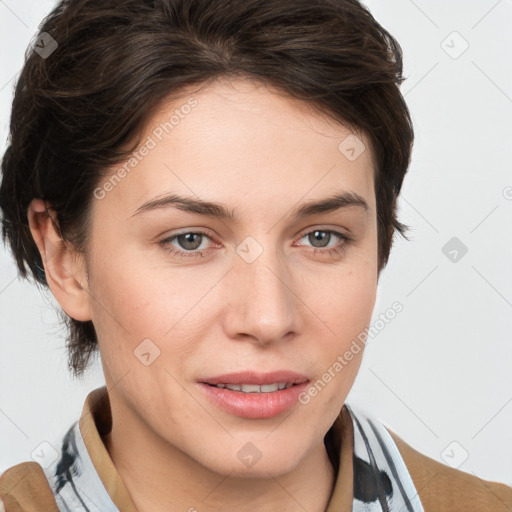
(255, 388)
(254, 395)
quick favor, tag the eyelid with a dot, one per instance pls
(184, 231)
(342, 232)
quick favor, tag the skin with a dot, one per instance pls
(260, 154)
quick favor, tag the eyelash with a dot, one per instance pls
(336, 250)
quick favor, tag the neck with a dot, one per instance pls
(160, 477)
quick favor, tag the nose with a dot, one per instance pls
(264, 304)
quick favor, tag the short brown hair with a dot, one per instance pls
(117, 60)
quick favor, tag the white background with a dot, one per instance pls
(439, 374)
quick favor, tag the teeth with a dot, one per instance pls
(254, 388)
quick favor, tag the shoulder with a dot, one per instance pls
(24, 488)
(442, 488)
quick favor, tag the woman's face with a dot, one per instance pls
(180, 294)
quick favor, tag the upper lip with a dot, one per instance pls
(253, 377)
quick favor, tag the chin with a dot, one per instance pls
(249, 461)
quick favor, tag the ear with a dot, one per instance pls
(64, 269)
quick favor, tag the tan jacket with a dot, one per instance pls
(24, 487)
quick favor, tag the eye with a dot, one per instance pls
(320, 238)
(188, 243)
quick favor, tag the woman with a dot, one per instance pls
(209, 190)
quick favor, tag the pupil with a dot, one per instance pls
(318, 236)
(187, 242)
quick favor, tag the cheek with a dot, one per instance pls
(339, 354)
(133, 301)
(126, 294)
(346, 299)
(354, 304)
(345, 309)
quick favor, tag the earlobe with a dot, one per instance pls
(64, 269)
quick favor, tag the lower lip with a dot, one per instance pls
(254, 405)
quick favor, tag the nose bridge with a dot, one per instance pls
(264, 304)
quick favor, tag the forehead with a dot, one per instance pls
(241, 142)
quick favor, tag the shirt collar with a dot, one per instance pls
(96, 421)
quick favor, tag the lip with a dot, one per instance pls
(253, 377)
(254, 405)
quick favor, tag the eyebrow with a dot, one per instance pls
(211, 209)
